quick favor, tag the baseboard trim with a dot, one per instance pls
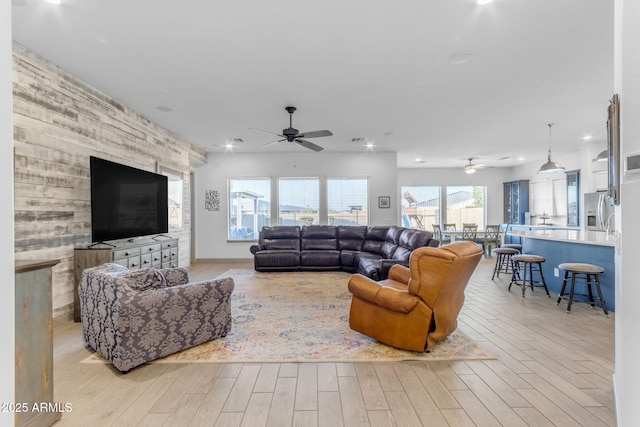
(616, 399)
(212, 260)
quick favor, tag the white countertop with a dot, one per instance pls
(587, 237)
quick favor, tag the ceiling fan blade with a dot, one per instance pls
(271, 142)
(264, 131)
(315, 134)
(309, 145)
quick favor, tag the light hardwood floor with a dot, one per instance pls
(551, 368)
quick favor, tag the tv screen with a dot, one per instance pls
(126, 202)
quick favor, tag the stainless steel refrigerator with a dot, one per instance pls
(599, 212)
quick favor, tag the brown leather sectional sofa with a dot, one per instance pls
(370, 251)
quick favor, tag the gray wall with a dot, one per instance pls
(7, 297)
(59, 122)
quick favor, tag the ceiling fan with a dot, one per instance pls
(471, 168)
(293, 135)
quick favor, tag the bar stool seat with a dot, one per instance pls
(504, 263)
(591, 273)
(529, 261)
(517, 246)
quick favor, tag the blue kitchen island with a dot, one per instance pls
(572, 245)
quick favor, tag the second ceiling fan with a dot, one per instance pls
(293, 135)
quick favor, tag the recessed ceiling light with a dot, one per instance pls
(587, 137)
(164, 108)
(483, 2)
(460, 58)
(419, 160)
(53, 1)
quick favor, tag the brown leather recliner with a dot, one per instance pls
(418, 306)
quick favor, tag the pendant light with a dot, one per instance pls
(550, 166)
(602, 157)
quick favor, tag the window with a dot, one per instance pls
(465, 204)
(420, 206)
(298, 201)
(348, 201)
(249, 207)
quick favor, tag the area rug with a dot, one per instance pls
(303, 317)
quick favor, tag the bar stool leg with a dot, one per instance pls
(544, 283)
(604, 307)
(564, 285)
(573, 284)
(589, 281)
(497, 266)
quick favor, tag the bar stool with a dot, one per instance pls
(591, 274)
(528, 262)
(517, 246)
(504, 262)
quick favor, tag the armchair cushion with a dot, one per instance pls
(143, 279)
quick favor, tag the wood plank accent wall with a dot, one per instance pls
(59, 121)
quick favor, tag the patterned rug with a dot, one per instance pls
(303, 317)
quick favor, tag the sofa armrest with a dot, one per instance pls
(387, 295)
(256, 248)
(400, 273)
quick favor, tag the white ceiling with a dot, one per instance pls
(384, 71)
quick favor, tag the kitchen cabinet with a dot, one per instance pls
(516, 201)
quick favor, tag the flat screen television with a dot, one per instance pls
(126, 202)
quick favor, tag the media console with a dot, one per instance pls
(133, 255)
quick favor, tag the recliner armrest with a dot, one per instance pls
(390, 297)
(400, 273)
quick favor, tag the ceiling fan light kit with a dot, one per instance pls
(550, 165)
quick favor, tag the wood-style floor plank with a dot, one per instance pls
(550, 369)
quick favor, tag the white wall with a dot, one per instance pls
(627, 85)
(211, 226)
(492, 178)
(7, 304)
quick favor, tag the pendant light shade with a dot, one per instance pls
(550, 165)
(602, 157)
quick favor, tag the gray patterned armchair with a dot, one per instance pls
(130, 317)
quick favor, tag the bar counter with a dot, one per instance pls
(571, 245)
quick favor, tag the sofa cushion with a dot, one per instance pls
(388, 249)
(393, 234)
(414, 239)
(375, 238)
(351, 237)
(402, 253)
(347, 259)
(142, 279)
(319, 237)
(280, 237)
(320, 258)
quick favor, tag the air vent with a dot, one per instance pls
(358, 140)
(237, 140)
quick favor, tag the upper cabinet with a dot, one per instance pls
(516, 201)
